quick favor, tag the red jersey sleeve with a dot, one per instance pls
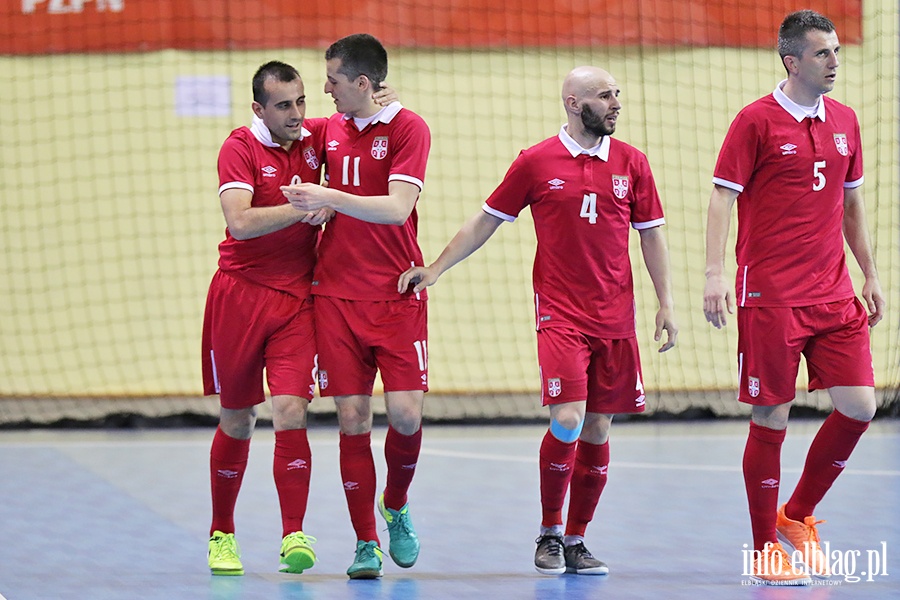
(235, 165)
(514, 192)
(413, 142)
(737, 158)
(646, 211)
(855, 168)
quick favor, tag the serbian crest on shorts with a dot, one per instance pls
(620, 186)
(753, 386)
(309, 155)
(379, 147)
(840, 140)
(323, 379)
(554, 387)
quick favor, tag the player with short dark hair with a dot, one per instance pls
(375, 160)
(586, 190)
(259, 314)
(793, 162)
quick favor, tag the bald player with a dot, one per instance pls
(585, 190)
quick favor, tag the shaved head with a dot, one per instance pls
(590, 96)
(583, 81)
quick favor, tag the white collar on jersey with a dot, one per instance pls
(385, 115)
(262, 133)
(794, 109)
(600, 151)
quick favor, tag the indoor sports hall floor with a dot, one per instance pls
(125, 514)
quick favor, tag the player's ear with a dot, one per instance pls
(257, 109)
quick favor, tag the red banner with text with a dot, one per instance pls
(61, 26)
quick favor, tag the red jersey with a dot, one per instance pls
(583, 203)
(360, 260)
(250, 160)
(791, 170)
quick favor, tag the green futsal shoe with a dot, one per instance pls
(367, 564)
(404, 548)
(224, 554)
(297, 554)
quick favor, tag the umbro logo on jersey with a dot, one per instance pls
(333, 145)
(556, 183)
(228, 473)
(769, 484)
(297, 464)
(269, 171)
(788, 149)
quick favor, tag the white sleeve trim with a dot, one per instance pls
(235, 185)
(649, 224)
(496, 213)
(729, 184)
(853, 184)
(413, 180)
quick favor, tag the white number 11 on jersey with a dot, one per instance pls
(345, 179)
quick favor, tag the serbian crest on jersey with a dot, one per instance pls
(379, 147)
(309, 155)
(753, 386)
(620, 186)
(840, 140)
(554, 387)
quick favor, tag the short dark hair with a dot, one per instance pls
(360, 54)
(793, 30)
(276, 70)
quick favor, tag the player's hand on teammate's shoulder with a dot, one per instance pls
(385, 95)
(419, 277)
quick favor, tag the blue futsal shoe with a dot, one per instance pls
(404, 547)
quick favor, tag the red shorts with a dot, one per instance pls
(249, 328)
(833, 337)
(605, 372)
(356, 338)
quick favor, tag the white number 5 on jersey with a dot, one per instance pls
(818, 175)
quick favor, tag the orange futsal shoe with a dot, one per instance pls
(772, 566)
(803, 536)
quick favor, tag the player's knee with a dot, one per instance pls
(566, 428)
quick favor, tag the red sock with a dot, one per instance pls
(762, 476)
(292, 467)
(556, 460)
(827, 455)
(358, 474)
(588, 481)
(401, 452)
(227, 463)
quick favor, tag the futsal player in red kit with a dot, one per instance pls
(259, 315)
(793, 162)
(375, 163)
(586, 190)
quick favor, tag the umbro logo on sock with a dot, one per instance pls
(351, 485)
(297, 464)
(228, 473)
(769, 483)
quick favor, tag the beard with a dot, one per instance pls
(594, 123)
